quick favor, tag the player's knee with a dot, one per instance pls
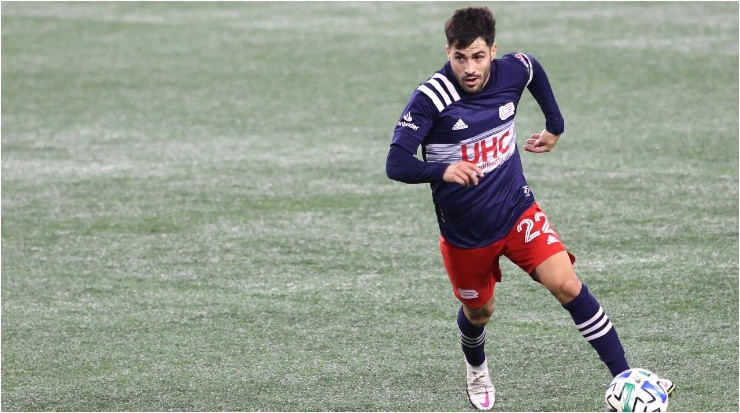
(480, 316)
(568, 289)
(481, 319)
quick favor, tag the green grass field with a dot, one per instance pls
(196, 217)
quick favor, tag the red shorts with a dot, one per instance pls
(474, 271)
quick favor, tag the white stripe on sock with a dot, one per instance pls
(472, 342)
(600, 333)
(592, 319)
(596, 326)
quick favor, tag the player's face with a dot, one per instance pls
(472, 65)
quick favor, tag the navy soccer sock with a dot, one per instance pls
(472, 339)
(595, 327)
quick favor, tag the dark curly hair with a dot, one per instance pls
(468, 24)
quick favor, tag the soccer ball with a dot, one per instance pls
(636, 390)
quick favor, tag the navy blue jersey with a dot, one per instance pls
(451, 126)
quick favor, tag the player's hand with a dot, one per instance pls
(541, 142)
(463, 173)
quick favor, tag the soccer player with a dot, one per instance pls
(463, 119)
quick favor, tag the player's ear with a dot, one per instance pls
(447, 50)
(494, 47)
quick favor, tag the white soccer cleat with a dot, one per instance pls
(667, 386)
(481, 392)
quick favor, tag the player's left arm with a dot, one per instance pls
(539, 87)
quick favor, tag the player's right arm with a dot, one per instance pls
(403, 166)
(413, 126)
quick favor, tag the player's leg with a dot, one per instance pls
(473, 274)
(557, 275)
(471, 323)
(535, 247)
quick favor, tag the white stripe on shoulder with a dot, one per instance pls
(450, 86)
(529, 67)
(441, 91)
(433, 96)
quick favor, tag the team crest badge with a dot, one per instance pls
(506, 111)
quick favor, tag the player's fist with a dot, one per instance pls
(463, 173)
